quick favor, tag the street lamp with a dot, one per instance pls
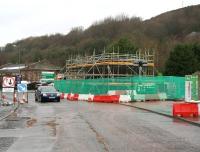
(19, 57)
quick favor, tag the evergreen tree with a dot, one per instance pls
(182, 60)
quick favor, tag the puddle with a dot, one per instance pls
(52, 124)
(31, 122)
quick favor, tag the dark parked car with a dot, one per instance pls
(47, 93)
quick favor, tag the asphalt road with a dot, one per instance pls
(94, 127)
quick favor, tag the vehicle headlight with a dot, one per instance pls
(44, 94)
(58, 94)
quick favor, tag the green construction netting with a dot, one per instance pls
(172, 87)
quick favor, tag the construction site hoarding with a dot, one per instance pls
(140, 88)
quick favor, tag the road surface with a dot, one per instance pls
(94, 127)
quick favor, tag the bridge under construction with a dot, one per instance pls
(109, 65)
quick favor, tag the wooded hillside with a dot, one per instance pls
(160, 33)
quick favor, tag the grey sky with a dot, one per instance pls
(24, 18)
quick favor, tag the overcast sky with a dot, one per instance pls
(24, 18)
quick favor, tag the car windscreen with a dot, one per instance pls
(48, 89)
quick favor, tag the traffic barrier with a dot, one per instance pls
(75, 97)
(96, 98)
(3, 97)
(199, 108)
(69, 96)
(15, 98)
(62, 96)
(106, 98)
(72, 97)
(185, 109)
(23, 99)
(6, 100)
(65, 95)
(124, 98)
(83, 97)
(90, 98)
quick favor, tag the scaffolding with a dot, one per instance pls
(110, 65)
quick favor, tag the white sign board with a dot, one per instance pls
(188, 91)
(60, 76)
(22, 87)
(7, 89)
(8, 82)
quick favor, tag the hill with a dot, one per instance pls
(160, 33)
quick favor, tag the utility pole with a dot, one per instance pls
(19, 53)
(19, 57)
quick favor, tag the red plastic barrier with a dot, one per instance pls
(15, 98)
(75, 97)
(72, 97)
(62, 96)
(185, 109)
(106, 98)
(68, 96)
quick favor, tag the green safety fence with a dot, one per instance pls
(169, 86)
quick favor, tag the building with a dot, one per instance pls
(33, 71)
(30, 72)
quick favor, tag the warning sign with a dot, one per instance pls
(8, 82)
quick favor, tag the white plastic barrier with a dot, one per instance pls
(65, 96)
(83, 97)
(124, 98)
(199, 108)
(90, 97)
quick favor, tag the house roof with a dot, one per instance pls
(40, 65)
(43, 65)
(12, 67)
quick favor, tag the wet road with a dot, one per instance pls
(89, 127)
(5, 110)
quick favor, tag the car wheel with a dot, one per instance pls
(36, 98)
(58, 100)
(41, 100)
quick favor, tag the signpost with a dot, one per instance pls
(22, 88)
(18, 79)
(8, 86)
